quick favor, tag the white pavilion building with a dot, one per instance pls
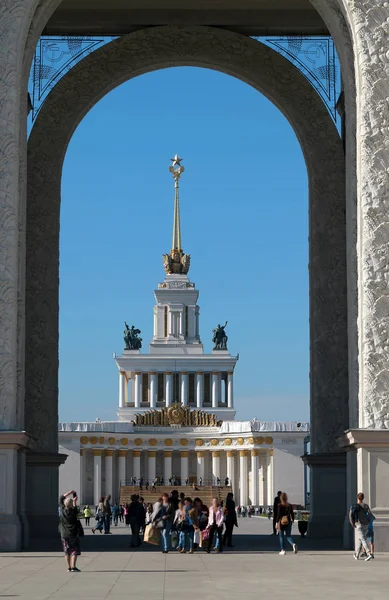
(176, 410)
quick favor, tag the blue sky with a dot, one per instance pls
(244, 220)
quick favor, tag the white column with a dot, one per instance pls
(152, 467)
(270, 478)
(199, 389)
(184, 466)
(263, 479)
(122, 467)
(181, 323)
(122, 389)
(167, 465)
(243, 478)
(255, 477)
(153, 389)
(201, 466)
(230, 391)
(108, 488)
(231, 471)
(97, 475)
(168, 389)
(138, 391)
(170, 324)
(215, 390)
(136, 464)
(215, 465)
(81, 494)
(184, 388)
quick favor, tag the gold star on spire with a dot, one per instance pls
(176, 161)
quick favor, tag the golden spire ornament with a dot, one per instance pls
(176, 263)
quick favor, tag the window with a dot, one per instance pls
(176, 387)
(161, 388)
(145, 388)
(207, 388)
(191, 395)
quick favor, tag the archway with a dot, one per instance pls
(276, 78)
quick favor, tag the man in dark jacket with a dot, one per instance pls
(230, 520)
(277, 500)
(136, 516)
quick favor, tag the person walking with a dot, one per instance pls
(164, 520)
(189, 525)
(115, 514)
(215, 525)
(121, 513)
(230, 520)
(69, 529)
(178, 525)
(107, 514)
(284, 521)
(360, 516)
(99, 516)
(87, 514)
(136, 519)
(275, 511)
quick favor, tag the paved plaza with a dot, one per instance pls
(253, 569)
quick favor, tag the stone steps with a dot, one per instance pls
(205, 492)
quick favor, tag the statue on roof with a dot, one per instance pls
(131, 338)
(176, 263)
(220, 337)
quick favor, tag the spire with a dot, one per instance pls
(176, 263)
(176, 170)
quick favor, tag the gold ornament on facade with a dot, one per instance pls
(199, 442)
(240, 441)
(231, 453)
(93, 440)
(214, 442)
(268, 440)
(183, 442)
(97, 452)
(111, 441)
(136, 453)
(138, 441)
(251, 440)
(153, 442)
(152, 454)
(184, 454)
(168, 453)
(83, 439)
(168, 442)
(101, 440)
(123, 453)
(201, 454)
(254, 452)
(259, 440)
(227, 442)
(124, 441)
(176, 415)
(244, 452)
(109, 453)
(215, 453)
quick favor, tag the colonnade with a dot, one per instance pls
(250, 472)
(176, 387)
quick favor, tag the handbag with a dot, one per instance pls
(205, 535)
(80, 529)
(196, 537)
(284, 521)
(151, 535)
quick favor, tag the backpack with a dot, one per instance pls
(360, 514)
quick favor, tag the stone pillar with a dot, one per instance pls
(109, 473)
(181, 324)
(97, 475)
(171, 324)
(255, 476)
(136, 464)
(122, 389)
(243, 477)
(184, 465)
(215, 390)
(152, 468)
(153, 389)
(122, 467)
(200, 465)
(231, 471)
(169, 388)
(184, 388)
(138, 390)
(167, 465)
(81, 493)
(270, 478)
(199, 389)
(215, 466)
(230, 390)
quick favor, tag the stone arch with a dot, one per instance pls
(272, 75)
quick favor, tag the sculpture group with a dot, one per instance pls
(220, 337)
(131, 338)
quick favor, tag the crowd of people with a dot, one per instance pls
(177, 522)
